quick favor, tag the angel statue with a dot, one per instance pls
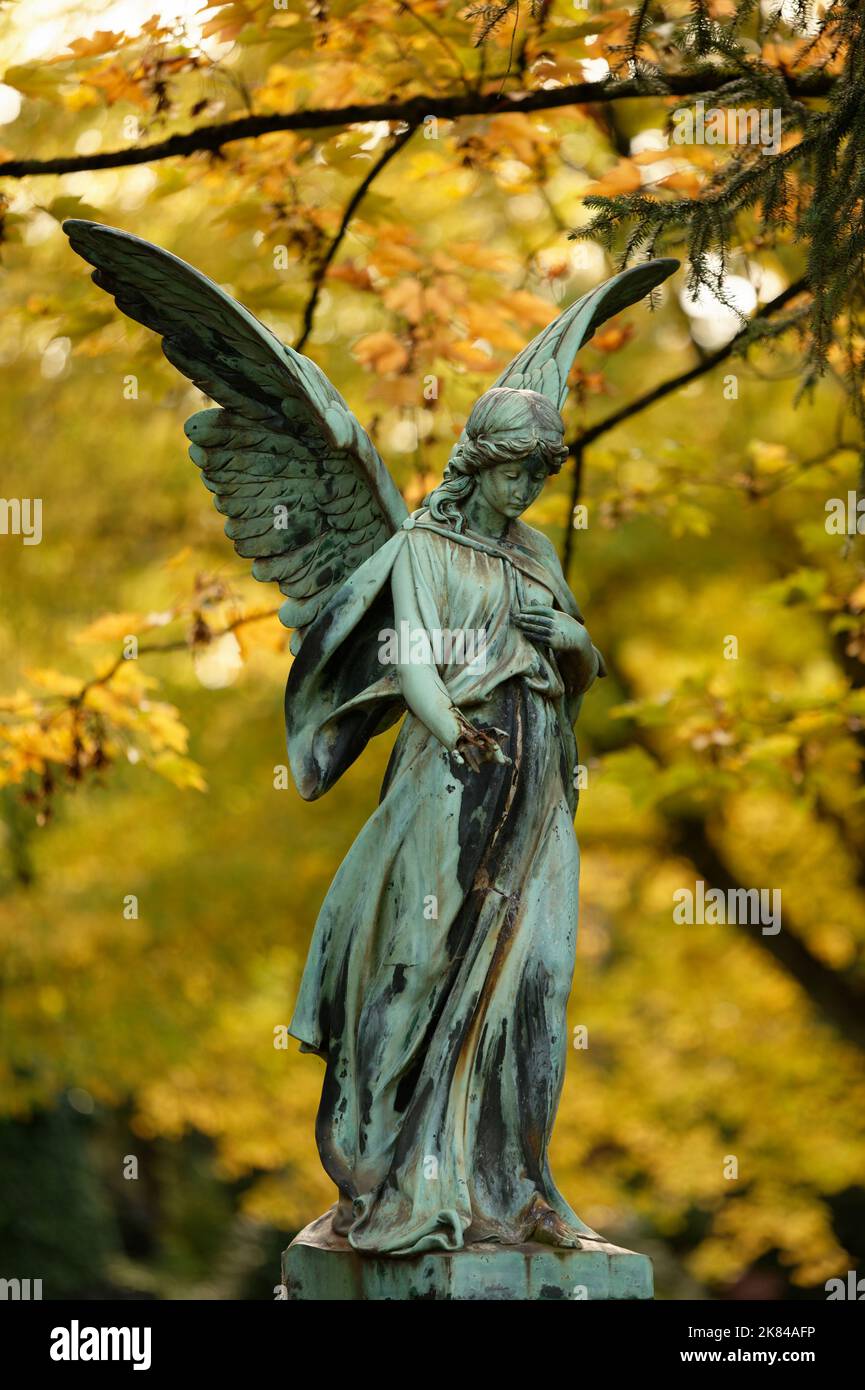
(439, 971)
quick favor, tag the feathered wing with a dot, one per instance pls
(544, 365)
(306, 494)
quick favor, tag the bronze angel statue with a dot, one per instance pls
(439, 970)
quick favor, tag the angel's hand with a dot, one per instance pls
(553, 628)
(476, 747)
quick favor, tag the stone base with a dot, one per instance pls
(322, 1266)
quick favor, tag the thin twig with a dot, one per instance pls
(440, 39)
(665, 388)
(354, 202)
(180, 645)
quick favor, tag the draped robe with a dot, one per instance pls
(436, 984)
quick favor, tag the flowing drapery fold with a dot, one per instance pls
(438, 975)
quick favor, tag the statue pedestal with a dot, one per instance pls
(321, 1265)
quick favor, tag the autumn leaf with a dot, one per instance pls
(103, 41)
(381, 352)
(181, 772)
(689, 530)
(613, 337)
(113, 627)
(682, 181)
(624, 177)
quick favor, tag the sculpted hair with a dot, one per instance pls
(505, 426)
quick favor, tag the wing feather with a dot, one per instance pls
(305, 492)
(545, 364)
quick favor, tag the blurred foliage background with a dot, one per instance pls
(159, 876)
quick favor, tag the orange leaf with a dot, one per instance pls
(382, 352)
(103, 41)
(683, 181)
(624, 177)
(613, 338)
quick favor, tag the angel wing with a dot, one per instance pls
(544, 365)
(306, 494)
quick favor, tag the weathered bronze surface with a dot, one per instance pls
(437, 979)
(321, 1265)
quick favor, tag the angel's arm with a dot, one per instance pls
(422, 687)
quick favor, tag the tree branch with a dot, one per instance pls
(212, 138)
(182, 644)
(835, 994)
(354, 202)
(657, 393)
(840, 1000)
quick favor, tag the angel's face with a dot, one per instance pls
(510, 488)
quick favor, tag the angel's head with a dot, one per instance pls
(512, 442)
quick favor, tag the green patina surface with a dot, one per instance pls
(318, 1265)
(436, 985)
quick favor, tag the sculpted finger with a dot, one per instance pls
(471, 757)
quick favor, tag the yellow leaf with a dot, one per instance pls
(122, 713)
(19, 703)
(768, 457)
(165, 728)
(181, 772)
(178, 558)
(33, 79)
(470, 356)
(112, 627)
(80, 98)
(478, 257)
(54, 681)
